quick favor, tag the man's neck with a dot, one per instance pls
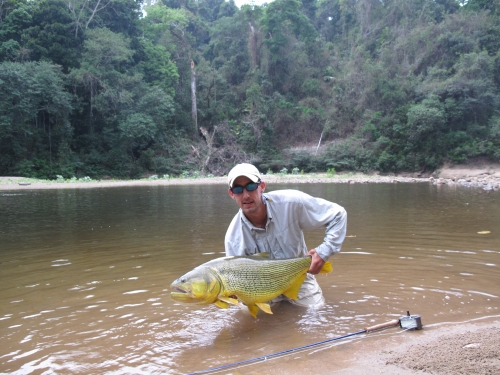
(259, 219)
(261, 223)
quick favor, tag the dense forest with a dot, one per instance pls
(126, 89)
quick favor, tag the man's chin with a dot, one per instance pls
(248, 207)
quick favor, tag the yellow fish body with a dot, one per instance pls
(253, 280)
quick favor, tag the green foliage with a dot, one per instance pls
(138, 127)
(51, 37)
(93, 91)
(34, 110)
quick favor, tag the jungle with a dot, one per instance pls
(127, 89)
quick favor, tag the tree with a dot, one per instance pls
(34, 111)
(50, 37)
(11, 28)
(120, 16)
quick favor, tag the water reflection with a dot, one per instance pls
(85, 274)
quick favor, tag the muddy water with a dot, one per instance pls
(84, 274)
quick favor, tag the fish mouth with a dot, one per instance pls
(179, 290)
(181, 295)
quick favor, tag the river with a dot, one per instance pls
(85, 274)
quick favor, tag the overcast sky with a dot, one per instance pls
(239, 3)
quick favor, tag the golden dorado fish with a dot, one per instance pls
(253, 280)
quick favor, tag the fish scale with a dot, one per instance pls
(253, 280)
(259, 280)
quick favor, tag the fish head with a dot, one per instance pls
(200, 286)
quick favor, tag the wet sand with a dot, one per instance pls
(441, 349)
(444, 349)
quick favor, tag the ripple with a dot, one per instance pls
(26, 354)
(483, 294)
(129, 305)
(136, 291)
(31, 316)
(355, 252)
(457, 294)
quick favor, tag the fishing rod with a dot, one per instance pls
(408, 322)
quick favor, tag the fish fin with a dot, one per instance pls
(327, 268)
(264, 307)
(221, 304)
(293, 291)
(264, 255)
(230, 300)
(253, 310)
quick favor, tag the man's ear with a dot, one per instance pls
(263, 186)
(230, 193)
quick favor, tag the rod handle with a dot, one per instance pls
(392, 323)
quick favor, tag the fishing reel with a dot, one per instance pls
(410, 321)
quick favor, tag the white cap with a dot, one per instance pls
(243, 169)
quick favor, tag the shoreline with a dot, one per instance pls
(486, 177)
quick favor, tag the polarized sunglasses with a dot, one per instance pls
(249, 187)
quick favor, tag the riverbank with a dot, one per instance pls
(485, 176)
(459, 348)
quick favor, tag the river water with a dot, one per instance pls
(85, 274)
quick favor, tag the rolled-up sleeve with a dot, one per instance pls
(317, 212)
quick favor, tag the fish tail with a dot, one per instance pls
(327, 268)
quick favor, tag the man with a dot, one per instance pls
(274, 223)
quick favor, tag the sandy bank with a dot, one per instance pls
(460, 348)
(485, 176)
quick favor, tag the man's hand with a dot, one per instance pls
(316, 263)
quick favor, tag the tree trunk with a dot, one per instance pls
(194, 111)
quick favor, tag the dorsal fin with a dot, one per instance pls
(260, 255)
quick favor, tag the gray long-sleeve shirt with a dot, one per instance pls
(289, 212)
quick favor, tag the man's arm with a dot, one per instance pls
(318, 212)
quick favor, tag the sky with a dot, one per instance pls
(239, 3)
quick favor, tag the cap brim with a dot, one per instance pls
(252, 178)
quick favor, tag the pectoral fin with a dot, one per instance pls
(221, 304)
(265, 307)
(293, 291)
(230, 300)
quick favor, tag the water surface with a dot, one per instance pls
(85, 274)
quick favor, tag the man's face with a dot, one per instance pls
(249, 201)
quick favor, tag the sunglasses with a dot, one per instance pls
(249, 187)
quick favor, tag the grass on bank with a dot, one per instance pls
(190, 175)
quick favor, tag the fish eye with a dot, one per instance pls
(183, 280)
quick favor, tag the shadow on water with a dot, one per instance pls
(85, 274)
